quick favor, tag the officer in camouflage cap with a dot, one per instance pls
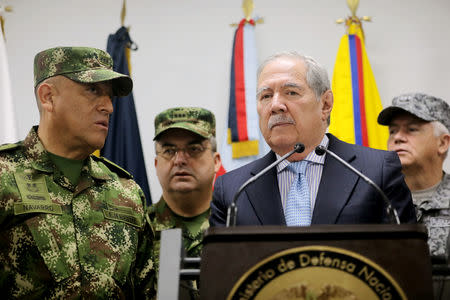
(196, 120)
(425, 107)
(71, 224)
(81, 64)
(419, 127)
(186, 163)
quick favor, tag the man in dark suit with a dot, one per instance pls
(294, 102)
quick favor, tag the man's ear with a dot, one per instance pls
(327, 104)
(444, 143)
(45, 94)
(217, 162)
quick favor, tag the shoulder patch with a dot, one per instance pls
(113, 167)
(6, 147)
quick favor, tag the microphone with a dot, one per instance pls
(391, 211)
(232, 209)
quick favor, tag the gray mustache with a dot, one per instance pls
(279, 119)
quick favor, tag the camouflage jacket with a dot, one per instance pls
(435, 214)
(161, 217)
(63, 241)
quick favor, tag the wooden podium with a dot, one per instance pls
(273, 262)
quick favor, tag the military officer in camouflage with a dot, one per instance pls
(186, 163)
(70, 222)
(419, 126)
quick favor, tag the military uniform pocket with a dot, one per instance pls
(439, 233)
(48, 247)
(125, 227)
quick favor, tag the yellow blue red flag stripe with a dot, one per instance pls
(359, 111)
(356, 99)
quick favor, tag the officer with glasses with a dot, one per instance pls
(186, 163)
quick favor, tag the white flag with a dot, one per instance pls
(8, 129)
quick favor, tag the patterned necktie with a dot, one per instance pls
(298, 205)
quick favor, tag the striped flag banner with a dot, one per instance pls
(242, 142)
(357, 102)
(8, 129)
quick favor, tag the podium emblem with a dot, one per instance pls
(316, 273)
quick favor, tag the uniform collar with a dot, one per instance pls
(439, 198)
(36, 153)
(165, 218)
(40, 160)
(97, 170)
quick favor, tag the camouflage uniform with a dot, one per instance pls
(161, 217)
(65, 241)
(435, 214)
(61, 240)
(435, 211)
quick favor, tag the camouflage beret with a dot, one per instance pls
(425, 107)
(81, 64)
(197, 120)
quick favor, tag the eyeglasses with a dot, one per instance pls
(193, 151)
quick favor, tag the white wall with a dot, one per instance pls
(185, 47)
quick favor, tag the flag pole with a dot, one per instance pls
(3, 9)
(353, 19)
(247, 7)
(8, 129)
(123, 12)
(356, 98)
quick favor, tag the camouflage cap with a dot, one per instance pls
(195, 119)
(423, 106)
(81, 64)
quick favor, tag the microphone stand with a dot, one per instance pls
(392, 213)
(232, 209)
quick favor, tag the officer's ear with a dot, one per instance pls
(45, 93)
(217, 162)
(444, 143)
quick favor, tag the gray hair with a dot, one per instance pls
(316, 74)
(213, 142)
(438, 130)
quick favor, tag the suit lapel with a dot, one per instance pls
(336, 184)
(264, 193)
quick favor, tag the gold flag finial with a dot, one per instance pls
(123, 13)
(353, 21)
(247, 8)
(353, 5)
(3, 9)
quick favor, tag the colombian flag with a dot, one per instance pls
(242, 141)
(356, 99)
